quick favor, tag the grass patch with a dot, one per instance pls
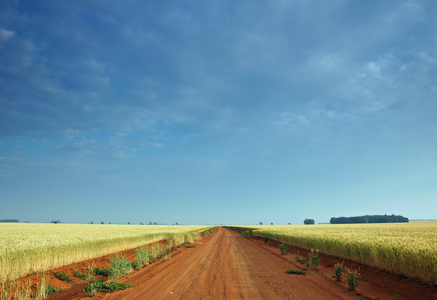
(142, 257)
(43, 290)
(315, 258)
(297, 256)
(120, 266)
(352, 277)
(62, 276)
(338, 271)
(284, 248)
(95, 287)
(101, 271)
(80, 275)
(305, 261)
(298, 272)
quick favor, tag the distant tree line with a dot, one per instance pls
(10, 221)
(308, 221)
(369, 219)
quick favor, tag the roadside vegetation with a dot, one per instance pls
(407, 249)
(29, 249)
(298, 272)
(352, 277)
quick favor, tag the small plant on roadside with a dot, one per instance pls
(121, 266)
(62, 276)
(162, 251)
(44, 290)
(352, 277)
(397, 296)
(95, 287)
(171, 244)
(297, 256)
(100, 271)
(266, 240)
(154, 252)
(284, 248)
(166, 251)
(50, 289)
(338, 271)
(298, 272)
(80, 275)
(142, 257)
(362, 298)
(315, 258)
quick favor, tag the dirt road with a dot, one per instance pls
(228, 266)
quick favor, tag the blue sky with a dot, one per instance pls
(217, 112)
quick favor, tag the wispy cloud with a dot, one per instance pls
(5, 35)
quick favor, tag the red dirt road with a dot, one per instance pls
(226, 265)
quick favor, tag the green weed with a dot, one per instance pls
(315, 258)
(298, 272)
(352, 277)
(80, 275)
(44, 290)
(101, 271)
(284, 248)
(338, 271)
(142, 257)
(120, 266)
(62, 276)
(297, 256)
(95, 287)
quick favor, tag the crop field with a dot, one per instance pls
(30, 248)
(408, 249)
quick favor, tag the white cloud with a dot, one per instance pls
(5, 35)
(373, 68)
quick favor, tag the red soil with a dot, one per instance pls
(226, 265)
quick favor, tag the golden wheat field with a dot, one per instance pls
(408, 249)
(30, 248)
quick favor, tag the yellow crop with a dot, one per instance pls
(408, 249)
(28, 248)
